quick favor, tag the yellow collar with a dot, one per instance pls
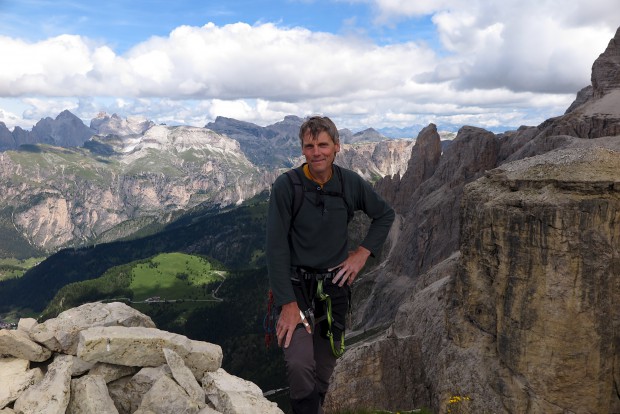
(309, 176)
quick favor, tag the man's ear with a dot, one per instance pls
(337, 147)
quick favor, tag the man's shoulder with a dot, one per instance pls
(287, 178)
(348, 174)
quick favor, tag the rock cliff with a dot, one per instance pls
(500, 291)
(109, 358)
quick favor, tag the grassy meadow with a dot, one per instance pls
(12, 268)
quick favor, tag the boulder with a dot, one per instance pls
(51, 394)
(26, 324)
(89, 395)
(233, 395)
(144, 347)
(15, 377)
(105, 358)
(111, 372)
(127, 392)
(184, 377)
(167, 397)
(61, 334)
(80, 367)
(18, 344)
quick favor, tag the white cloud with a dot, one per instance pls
(515, 61)
(523, 45)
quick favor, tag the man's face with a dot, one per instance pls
(320, 153)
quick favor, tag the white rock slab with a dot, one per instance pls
(184, 377)
(127, 392)
(51, 394)
(144, 347)
(233, 395)
(89, 395)
(15, 377)
(26, 324)
(18, 344)
(61, 334)
(167, 397)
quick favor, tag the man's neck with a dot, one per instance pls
(320, 179)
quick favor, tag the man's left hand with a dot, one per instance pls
(351, 266)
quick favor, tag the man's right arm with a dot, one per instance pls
(279, 260)
(278, 250)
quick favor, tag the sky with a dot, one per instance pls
(364, 63)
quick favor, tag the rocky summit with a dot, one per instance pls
(110, 359)
(499, 288)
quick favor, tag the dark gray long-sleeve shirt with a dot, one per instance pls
(318, 237)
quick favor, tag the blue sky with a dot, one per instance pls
(365, 63)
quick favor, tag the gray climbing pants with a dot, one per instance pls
(309, 357)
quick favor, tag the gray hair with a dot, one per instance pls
(317, 124)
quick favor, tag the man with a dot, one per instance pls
(309, 261)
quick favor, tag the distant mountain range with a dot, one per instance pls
(66, 184)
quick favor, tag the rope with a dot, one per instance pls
(269, 321)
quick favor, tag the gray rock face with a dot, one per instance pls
(606, 69)
(104, 124)
(7, 141)
(67, 130)
(539, 291)
(173, 386)
(430, 218)
(525, 321)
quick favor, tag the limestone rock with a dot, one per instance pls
(606, 69)
(184, 377)
(7, 410)
(167, 397)
(233, 395)
(430, 223)
(61, 334)
(541, 276)
(15, 377)
(144, 347)
(26, 324)
(18, 344)
(51, 394)
(166, 383)
(583, 96)
(79, 367)
(425, 157)
(127, 392)
(111, 372)
(89, 395)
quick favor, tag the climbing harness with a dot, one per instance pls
(324, 297)
(316, 278)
